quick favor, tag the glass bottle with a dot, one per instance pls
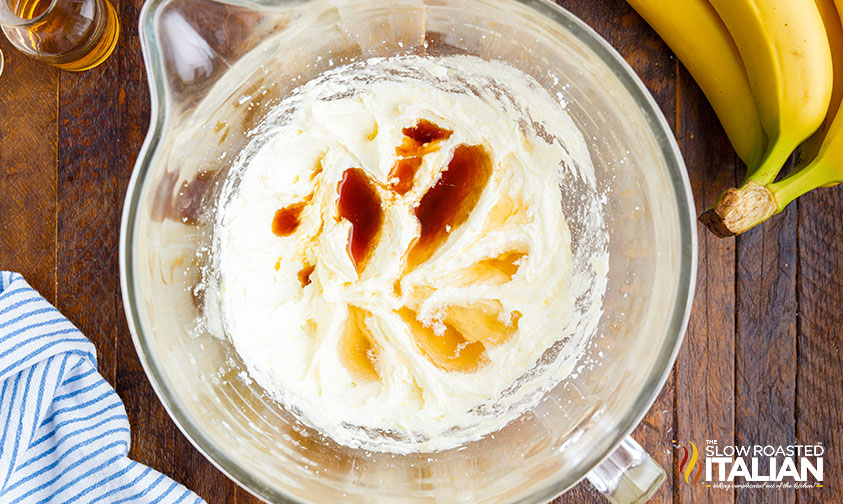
(72, 35)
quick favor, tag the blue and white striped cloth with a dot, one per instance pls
(64, 434)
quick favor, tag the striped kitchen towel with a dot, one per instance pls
(64, 434)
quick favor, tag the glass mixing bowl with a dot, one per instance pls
(215, 67)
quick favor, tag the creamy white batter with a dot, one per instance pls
(502, 277)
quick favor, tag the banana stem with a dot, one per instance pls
(772, 164)
(740, 209)
(814, 175)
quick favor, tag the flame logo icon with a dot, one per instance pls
(686, 467)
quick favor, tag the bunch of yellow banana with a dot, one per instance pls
(773, 72)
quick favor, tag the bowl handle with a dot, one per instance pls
(627, 476)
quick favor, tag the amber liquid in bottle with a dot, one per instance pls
(72, 35)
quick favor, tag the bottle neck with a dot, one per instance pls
(9, 18)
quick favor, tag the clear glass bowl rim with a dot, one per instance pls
(680, 311)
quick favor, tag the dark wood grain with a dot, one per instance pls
(88, 206)
(242, 496)
(194, 471)
(765, 342)
(819, 380)
(761, 361)
(705, 367)
(28, 145)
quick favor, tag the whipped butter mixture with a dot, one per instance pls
(392, 254)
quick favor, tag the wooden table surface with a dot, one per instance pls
(761, 362)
